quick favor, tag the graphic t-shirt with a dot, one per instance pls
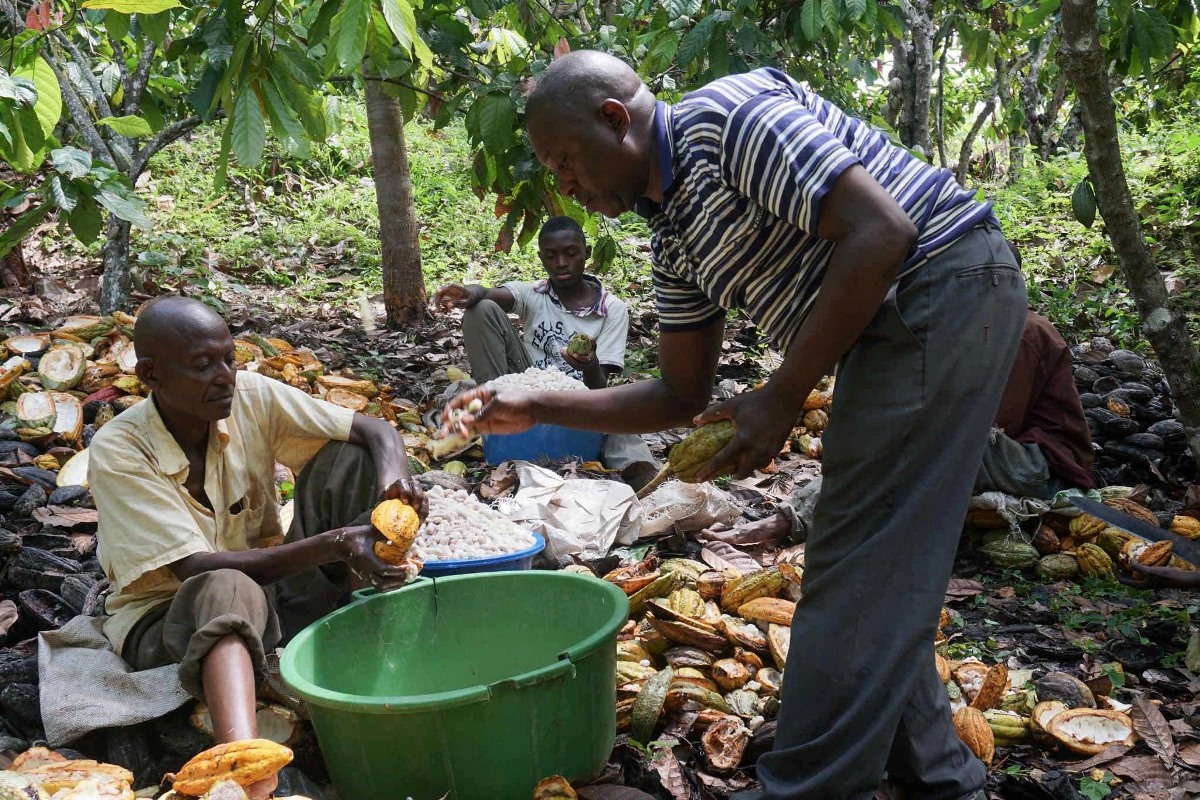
(547, 326)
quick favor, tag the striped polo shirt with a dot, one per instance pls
(745, 162)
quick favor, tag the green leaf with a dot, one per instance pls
(810, 19)
(1036, 17)
(402, 22)
(348, 41)
(695, 42)
(23, 225)
(1083, 203)
(85, 220)
(303, 101)
(284, 122)
(319, 31)
(128, 208)
(1153, 34)
(133, 6)
(155, 25)
(856, 9)
(829, 12)
(49, 99)
(63, 194)
(130, 126)
(71, 162)
(497, 120)
(660, 54)
(117, 24)
(249, 133)
(604, 253)
(222, 171)
(1191, 658)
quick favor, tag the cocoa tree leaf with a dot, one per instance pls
(722, 556)
(1146, 770)
(1190, 754)
(962, 589)
(1152, 726)
(8, 615)
(670, 774)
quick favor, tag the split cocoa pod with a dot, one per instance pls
(398, 522)
(244, 762)
(687, 457)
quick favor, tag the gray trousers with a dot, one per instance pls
(915, 399)
(494, 348)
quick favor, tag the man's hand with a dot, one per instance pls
(358, 551)
(581, 364)
(762, 421)
(508, 411)
(1168, 577)
(455, 295)
(408, 490)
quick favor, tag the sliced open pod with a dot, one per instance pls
(779, 639)
(688, 632)
(632, 651)
(689, 657)
(743, 702)
(995, 684)
(689, 570)
(624, 714)
(1089, 731)
(633, 577)
(970, 675)
(770, 610)
(695, 677)
(648, 706)
(687, 602)
(770, 679)
(679, 695)
(749, 658)
(1043, 713)
(1149, 554)
(724, 743)
(275, 722)
(51, 412)
(61, 367)
(943, 668)
(1008, 727)
(661, 586)
(633, 672)
(710, 584)
(74, 472)
(742, 633)
(27, 344)
(730, 674)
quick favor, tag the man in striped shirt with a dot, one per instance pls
(848, 252)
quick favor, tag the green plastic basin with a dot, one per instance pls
(467, 687)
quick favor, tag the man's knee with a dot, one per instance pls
(482, 315)
(222, 592)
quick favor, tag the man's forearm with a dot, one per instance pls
(268, 564)
(642, 407)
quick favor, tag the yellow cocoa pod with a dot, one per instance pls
(1085, 527)
(973, 729)
(816, 420)
(389, 553)
(1127, 506)
(1185, 526)
(1147, 554)
(398, 521)
(943, 668)
(774, 610)
(764, 583)
(1111, 540)
(46, 461)
(1119, 407)
(555, 787)
(1093, 561)
(244, 762)
(687, 457)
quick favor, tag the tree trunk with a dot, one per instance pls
(14, 274)
(1004, 99)
(114, 289)
(940, 119)
(1081, 57)
(917, 79)
(1031, 97)
(968, 143)
(403, 284)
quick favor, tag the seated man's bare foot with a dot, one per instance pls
(261, 790)
(764, 531)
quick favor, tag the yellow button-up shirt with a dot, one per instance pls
(148, 519)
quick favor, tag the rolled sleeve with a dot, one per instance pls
(298, 424)
(776, 152)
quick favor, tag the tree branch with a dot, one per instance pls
(122, 67)
(110, 155)
(14, 19)
(141, 76)
(395, 81)
(165, 137)
(85, 68)
(964, 153)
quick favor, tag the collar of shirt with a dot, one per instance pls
(599, 308)
(170, 455)
(664, 149)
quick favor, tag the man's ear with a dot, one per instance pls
(146, 372)
(616, 117)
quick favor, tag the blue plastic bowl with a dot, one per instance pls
(542, 442)
(511, 562)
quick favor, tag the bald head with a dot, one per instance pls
(591, 122)
(186, 357)
(577, 83)
(166, 323)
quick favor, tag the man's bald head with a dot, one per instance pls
(186, 357)
(591, 122)
(168, 322)
(577, 83)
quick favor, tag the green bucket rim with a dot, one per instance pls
(377, 704)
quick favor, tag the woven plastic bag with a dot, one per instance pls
(690, 506)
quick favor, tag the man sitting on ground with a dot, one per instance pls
(553, 310)
(1040, 441)
(184, 485)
